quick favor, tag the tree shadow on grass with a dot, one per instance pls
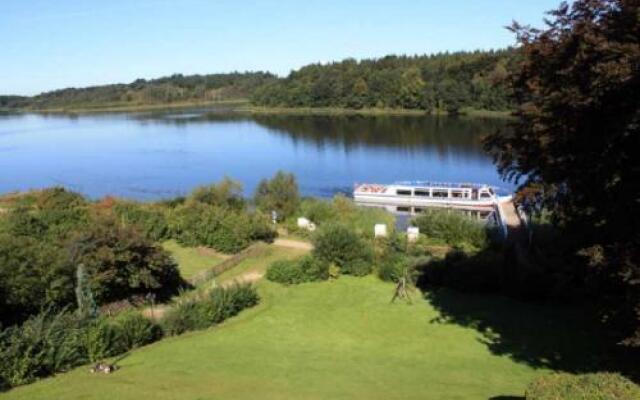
(558, 337)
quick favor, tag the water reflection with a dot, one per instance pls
(163, 153)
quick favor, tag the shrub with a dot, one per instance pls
(393, 268)
(199, 224)
(220, 304)
(280, 193)
(226, 193)
(44, 344)
(151, 220)
(285, 271)
(101, 340)
(452, 227)
(584, 387)
(134, 330)
(336, 243)
(305, 269)
(121, 262)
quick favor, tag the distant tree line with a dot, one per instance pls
(439, 82)
(166, 90)
(444, 81)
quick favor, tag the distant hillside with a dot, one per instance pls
(440, 82)
(168, 90)
(446, 81)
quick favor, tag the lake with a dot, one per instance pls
(163, 154)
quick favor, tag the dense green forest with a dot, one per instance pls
(444, 81)
(440, 82)
(173, 89)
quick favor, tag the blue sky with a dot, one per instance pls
(49, 44)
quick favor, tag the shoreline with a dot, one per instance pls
(243, 106)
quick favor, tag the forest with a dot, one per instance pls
(449, 82)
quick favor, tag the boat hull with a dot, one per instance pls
(383, 199)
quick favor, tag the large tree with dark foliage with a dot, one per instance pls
(575, 144)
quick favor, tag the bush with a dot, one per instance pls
(225, 230)
(393, 268)
(280, 193)
(44, 344)
(338, 244)
(305, 269)
(151, 220)
(101, 340)
(134, 330)
(48, 343)
(285, 271)
(220, 304)
(597, 386)
(122, 263)
(452, 227)
(227, 193)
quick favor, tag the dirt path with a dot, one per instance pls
(206, 251)
(293, 244)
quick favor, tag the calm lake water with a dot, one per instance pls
(159, 155)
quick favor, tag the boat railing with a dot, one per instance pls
(454, 185)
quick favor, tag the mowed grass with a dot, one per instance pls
(259, 263)
(339, 339)
(191, 260)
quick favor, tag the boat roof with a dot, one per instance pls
(456, 185)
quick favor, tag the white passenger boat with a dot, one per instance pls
(467, 196)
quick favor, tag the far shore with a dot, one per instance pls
(243, 106)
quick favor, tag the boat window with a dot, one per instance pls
(403, 192)
(418, 209)
(424, 193)
(403, 209)
(440, 193)
(485, 195)
(456, 194)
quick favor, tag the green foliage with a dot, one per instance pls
(135, 330)
(598, 386)
(122, 263)
(341, 245)
(393, 268)
(280, 193)
(227, 231)
(446, 81)
(452, 227)
(305, 269)
(219, 304)
(175, 88)
(150, 219)
(34, 275)
(574, 145)
(226, 193)
(285, 271)
(48, 343)
(101, 340)
(44, 344)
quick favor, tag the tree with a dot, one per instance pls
(279, 194)
(574, 146)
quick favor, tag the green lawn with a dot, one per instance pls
(259, 263)
(340, 340)
(191, 260)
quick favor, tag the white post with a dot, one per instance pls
(380, 230)
(412, 234)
